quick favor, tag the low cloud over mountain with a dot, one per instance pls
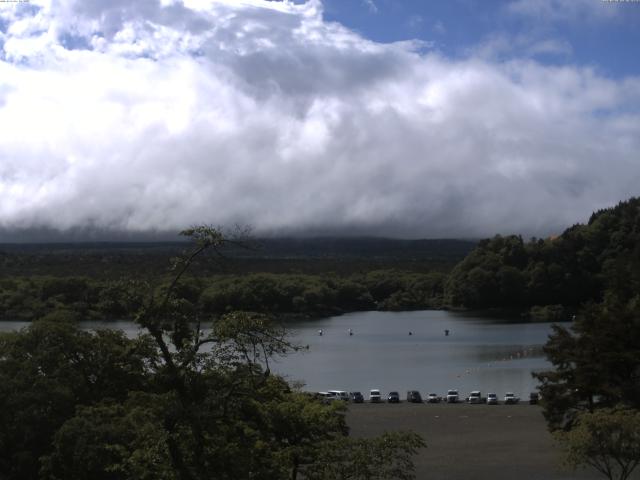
(154, 115)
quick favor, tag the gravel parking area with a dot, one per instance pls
(492, 442)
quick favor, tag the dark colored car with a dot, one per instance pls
(534, 398)
(414, 396)
(394, 397)
(357, 397)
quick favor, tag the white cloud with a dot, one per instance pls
(262, 113)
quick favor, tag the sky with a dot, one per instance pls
(416, 118)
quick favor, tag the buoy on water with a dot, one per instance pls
(446, 333)
(410, 333)
(320, 332)
(350, 332)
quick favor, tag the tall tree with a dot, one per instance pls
(607, 440)
(596, 363)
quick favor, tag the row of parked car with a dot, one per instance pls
(476, 397)
(414, 396)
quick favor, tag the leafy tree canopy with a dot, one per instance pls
(578, 266)
(607, 440)
(193, 398)
(596, 362)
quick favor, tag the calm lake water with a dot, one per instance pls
(480, 353)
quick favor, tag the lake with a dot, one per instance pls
(480, 353)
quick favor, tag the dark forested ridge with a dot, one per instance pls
(549, 278)
(294, 276)
(583, 264)
(275, 255)
(298, 294)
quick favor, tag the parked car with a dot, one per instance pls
(325, 397)
(357, 397)
(434, 398)
(414, 396)
(452, 396)
(534, 398)
(393, 397)
(510, 398)
(492, 399)
(475, 397)
(340, 395)
(374, 396)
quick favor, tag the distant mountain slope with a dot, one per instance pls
(298, 277)
(313, 255)
(365, 247)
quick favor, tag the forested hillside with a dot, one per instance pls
(549, 278)
(109, 260)
(298, 277)
(297, 294)
(583, 264)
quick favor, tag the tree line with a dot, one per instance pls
(580, 265)
(297, 294)
(545, 278)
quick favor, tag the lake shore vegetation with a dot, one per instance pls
(174, 403)
(542, 279)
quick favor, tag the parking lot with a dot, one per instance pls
(492, 442)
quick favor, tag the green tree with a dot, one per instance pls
(112, 440)
(491, 275)
(607, 440)
(596, 363)
(579, 266)
(47, 370)
(192, 399)
(228, 407)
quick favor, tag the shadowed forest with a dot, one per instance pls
(544, 279)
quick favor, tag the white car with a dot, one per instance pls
(433, 398)
(492, 399)
(339, 395)
(452, 396)
(475, 397)
(510, 398)
(374, 396)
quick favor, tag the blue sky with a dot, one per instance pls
(604, 35)
(454, 118)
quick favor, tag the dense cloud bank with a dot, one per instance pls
(154, 115)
